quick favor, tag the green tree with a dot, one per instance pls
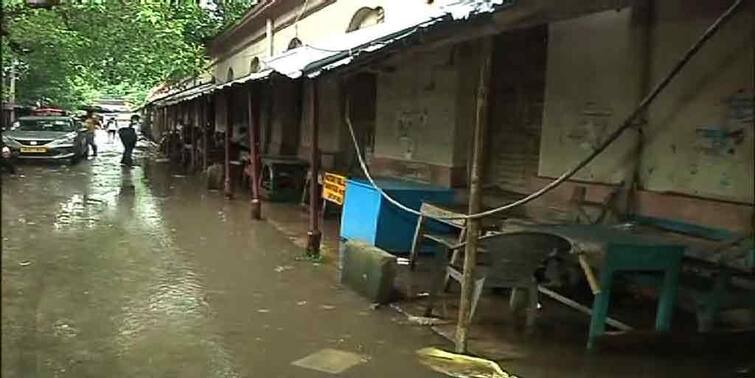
(77, 51)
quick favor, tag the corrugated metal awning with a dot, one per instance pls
(243, 80)
(312, 60)
(185, 95)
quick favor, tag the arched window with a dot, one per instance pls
(229, 77)
(254, 65)
(366, 17)
(295, 42)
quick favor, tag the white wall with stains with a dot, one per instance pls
(700, 131)
(698, 139)
(416, 109)
(330, 123)
(592, 83)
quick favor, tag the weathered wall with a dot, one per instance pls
(330, 123)
(517, 86)
(700, 131)
(287, 134)
(416, 109)
(468, 67)
(240, 116)
(238, 109)
(698, 135)
(286, 117)
(221, 107)
(592, 82)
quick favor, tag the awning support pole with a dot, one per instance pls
(170, 118)
(204, 115)
(227, 146)
(314, 235)
(475, 198)
(254, 156)
(195, 121)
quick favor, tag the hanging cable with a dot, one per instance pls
(628, 122)
(298, 17)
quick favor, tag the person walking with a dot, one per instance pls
(92, 124)
(112, 128)
(128, 138)
(5, 159)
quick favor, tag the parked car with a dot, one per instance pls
(47, 137)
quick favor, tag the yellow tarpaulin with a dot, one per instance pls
(459, 365)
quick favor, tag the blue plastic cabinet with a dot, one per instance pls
(371, 219)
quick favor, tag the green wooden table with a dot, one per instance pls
(613, 250)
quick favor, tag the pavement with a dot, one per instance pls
(110, 271)
(141, 272)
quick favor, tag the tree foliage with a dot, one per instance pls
(78, 51)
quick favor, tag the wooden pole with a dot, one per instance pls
(254, 155)
(171, 124)
(227, 189)
(205, 121)
(194, 122)
(642, 12)
(166, 123)
(314, 235)
(165, 118)
(475, 199)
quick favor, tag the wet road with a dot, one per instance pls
(143, 273)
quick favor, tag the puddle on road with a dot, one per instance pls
(107, 280)
(132, 273)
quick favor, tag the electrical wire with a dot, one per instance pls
(628, 122)
(298, 17)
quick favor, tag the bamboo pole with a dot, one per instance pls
(227, 189)
(314, 235)
(254, 152)
(475, 200)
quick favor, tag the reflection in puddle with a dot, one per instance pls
(78, 211)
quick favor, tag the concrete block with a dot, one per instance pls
(369, 271)
(215, 176)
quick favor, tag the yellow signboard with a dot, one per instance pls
(333, 187)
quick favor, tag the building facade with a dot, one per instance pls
(564, 76)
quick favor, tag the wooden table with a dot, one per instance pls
(282, 177)
(595, 244)
(613, 250)
(591, 240)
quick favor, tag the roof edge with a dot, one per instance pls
(250, 14)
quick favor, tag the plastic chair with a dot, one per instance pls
(511, 262)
